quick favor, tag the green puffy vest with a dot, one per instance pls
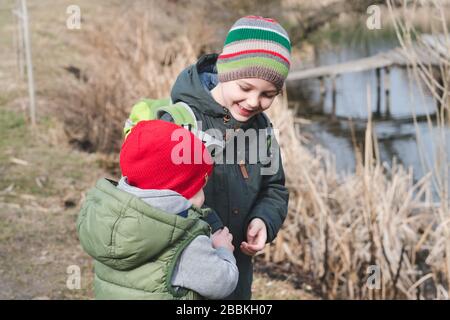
(135, 246)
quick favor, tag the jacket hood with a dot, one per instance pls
(190, 89)
(123, 232)
(193, 87)
(166, 200)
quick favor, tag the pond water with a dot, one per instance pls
(413, 145)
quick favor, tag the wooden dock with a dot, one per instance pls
(431, 51)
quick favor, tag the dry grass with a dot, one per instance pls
(126, 59)
(267, 288)
(436, 79)
(41, 187)
(338, 225)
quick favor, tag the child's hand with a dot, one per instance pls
(256, 237)
(222, 238)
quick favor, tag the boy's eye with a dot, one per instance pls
(270, 96)
(244, 89)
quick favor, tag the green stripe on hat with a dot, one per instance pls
(253, 62)
(248, 33)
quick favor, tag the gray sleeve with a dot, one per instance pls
(210, 272)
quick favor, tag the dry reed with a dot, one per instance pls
(338, 225)
(125, 59)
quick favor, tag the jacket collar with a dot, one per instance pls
(166, 200)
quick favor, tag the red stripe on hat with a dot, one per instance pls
(230, 55)
(261, 18)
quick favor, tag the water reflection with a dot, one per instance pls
(397, 136)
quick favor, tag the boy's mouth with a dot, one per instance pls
(243, 111)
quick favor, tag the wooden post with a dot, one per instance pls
(333, 97)
(296, 108)
(18, 43)
(387, 91)
(26, 36)
(16, 40)
(322, 92)
(440, 92)
(378, 74)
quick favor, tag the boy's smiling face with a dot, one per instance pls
(245, 98)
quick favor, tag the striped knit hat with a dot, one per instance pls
(255, 47)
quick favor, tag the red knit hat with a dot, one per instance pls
(162, 155)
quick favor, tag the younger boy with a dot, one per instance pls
(147, 233)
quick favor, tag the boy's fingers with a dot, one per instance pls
(245, 249)
(253, 230)
(251, 235)
(255, 247)
(255, 238)
(248, 252)
(260, 239)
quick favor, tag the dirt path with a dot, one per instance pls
(40, 191)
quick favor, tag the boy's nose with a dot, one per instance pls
(253, 102)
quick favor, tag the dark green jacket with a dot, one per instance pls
(135, 246)
(235, 199)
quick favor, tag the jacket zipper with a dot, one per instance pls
(242, 166)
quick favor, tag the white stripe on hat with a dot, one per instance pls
(252, 44)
